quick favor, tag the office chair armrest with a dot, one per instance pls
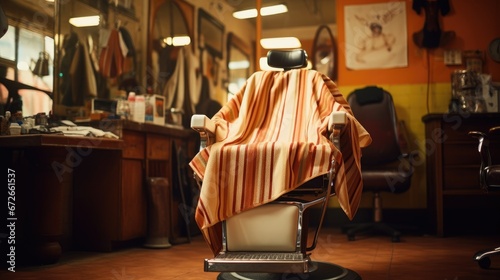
(206, 127)
(483, 149)
(494, 131)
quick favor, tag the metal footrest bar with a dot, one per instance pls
(259, 261)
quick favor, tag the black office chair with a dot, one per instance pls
(385, 164)
(489, 179)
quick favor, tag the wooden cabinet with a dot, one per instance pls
(453, 171)
(132, 203)
(147, 152)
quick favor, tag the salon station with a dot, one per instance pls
(248, 128)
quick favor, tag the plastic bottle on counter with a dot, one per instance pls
(139, 109)
(131, 104)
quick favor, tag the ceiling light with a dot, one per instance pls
(177, 41)
(265, 11)
(280, 43)
(273, 10)
(85, 21)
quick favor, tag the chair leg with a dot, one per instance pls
(483, 257)
(377, 224)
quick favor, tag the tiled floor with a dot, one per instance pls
(373, 258)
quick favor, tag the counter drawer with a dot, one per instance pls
(158, 147)
(133, 145)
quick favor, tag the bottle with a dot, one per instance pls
(139, 109)
(131, 104)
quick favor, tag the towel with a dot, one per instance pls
(271, 138)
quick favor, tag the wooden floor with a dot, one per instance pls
(372, 257)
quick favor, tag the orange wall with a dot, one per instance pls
(475, 23)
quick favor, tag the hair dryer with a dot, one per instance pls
(3, 23)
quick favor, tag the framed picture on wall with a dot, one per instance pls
(210, 33)
(376, 36)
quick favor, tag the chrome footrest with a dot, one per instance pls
(258, 261)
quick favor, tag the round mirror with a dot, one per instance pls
(171, 27)
(323, 57)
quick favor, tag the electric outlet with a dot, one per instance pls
(452, 57)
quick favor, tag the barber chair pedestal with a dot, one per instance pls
(323, 271)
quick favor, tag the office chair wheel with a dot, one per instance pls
(396, 237)
(484, 262)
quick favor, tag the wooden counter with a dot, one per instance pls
(82, 193)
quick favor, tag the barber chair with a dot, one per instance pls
(270, 241)
(489, 179)
(386, 166)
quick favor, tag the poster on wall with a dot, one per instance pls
(376, 36)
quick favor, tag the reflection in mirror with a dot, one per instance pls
(26, 58)
(238, 64)
(170, 31)
(172, 67)
(324, 54)
(78, 65)
(95, 54)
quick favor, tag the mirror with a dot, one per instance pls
(324, 57)
(26, 57)
(210, 33)
(238, 64)
(96, 53)
(171, 25)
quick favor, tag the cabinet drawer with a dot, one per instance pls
(461, 153)
(458, 128)
(461, 177)
(158, 147)
(134, 145)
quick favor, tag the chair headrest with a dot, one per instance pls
(287, 59)
(369, 94)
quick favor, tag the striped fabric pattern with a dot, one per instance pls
(271, 138)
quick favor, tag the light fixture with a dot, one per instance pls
(241, 64)
(85, 21)
(280, 43)
(177, 41)
(264, 11)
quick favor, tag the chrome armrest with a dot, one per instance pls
(206, 127)
(336, 123)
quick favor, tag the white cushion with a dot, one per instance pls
(268, 228)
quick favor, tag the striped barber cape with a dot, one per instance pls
(271, 137)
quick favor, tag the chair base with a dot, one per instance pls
(373, 227)
(483, 257)
(324, 271)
